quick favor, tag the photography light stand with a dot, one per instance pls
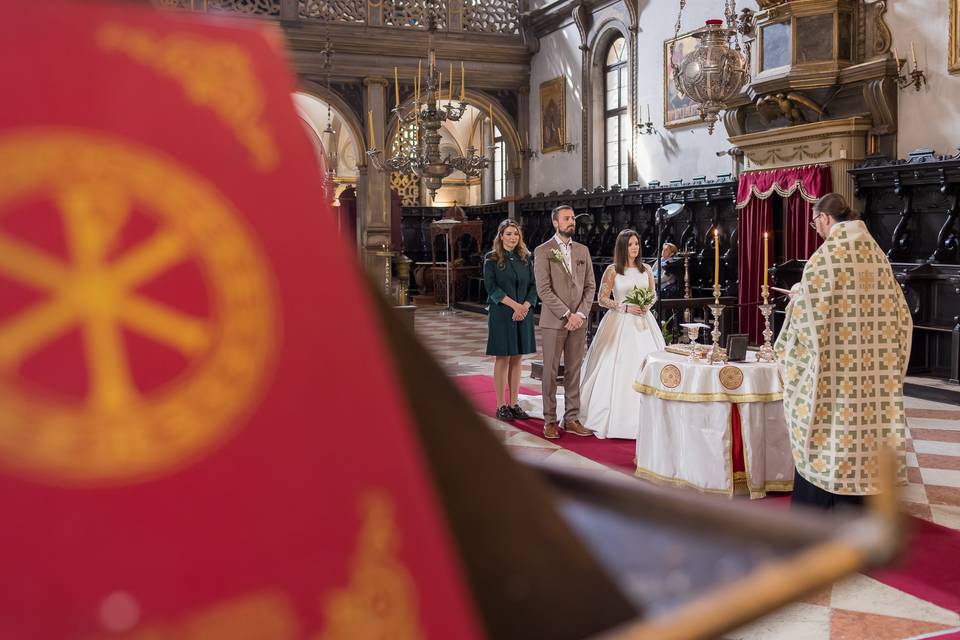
(447, 224)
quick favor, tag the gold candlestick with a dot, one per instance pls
(717, 355)
(766, 351)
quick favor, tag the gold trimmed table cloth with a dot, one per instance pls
(699, 421)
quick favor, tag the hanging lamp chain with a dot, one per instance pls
(676, 33)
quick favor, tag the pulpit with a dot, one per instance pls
(459, 271)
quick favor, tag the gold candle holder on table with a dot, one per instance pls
(717, 354)
(766, 351)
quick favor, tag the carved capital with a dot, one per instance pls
(876, 33)
(583, 18)
(735, 121)
(881, 98)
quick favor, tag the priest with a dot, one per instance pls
(843, 356)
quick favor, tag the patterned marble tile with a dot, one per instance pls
(943, 495)
(857, 609)
(943, 477)
(932, 461)
(797, 621)
(460, 342)
(864, 594)
(939, 435)
(853, 625)
(936, 447)
(946, 515)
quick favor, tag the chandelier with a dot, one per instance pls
(715, 72)
(421, 158)
(330, 146)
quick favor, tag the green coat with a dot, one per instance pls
(506, 337)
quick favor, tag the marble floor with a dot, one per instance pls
(859, 608)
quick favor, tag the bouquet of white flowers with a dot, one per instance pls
(640, 296)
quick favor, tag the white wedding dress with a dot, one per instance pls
(609, 406)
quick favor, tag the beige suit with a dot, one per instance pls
(563, 293)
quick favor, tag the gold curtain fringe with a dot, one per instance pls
(786, 193)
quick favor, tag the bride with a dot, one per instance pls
(608, 404)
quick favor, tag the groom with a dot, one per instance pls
(565, 284)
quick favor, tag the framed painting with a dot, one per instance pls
(553, 129)
(953, 38)
(678, 110)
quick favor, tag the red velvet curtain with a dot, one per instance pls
(811, 181)
(801, 240)
(755, 218)
(800, 187)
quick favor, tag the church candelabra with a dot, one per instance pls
(422, 158)
(717, 354)
(766, 351)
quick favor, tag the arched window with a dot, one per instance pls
(616, 119)
(499, 165)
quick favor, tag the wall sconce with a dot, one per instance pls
(646, 128)
(918, 78)
(567, 147)
(527, 151)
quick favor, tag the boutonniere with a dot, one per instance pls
(557, 256)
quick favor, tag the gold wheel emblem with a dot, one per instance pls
(731, 377)
(670, 376)
(126, 424)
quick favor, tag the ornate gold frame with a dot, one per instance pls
(953, 38)
(667, 77)
(553, 90)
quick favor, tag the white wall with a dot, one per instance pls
(671, 153)
(686, 151)
(559, 55)
(931, 117)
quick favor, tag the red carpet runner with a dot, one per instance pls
(613, 452)
(928, 569)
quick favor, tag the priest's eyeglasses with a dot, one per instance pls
(813, 220)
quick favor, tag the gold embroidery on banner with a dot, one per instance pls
(381, 599)
(120, 432)
(263, 616)
(217, 75)
(731, 377)
(670, 376)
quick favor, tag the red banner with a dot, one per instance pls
(200, 435)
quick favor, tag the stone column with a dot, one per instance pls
(586, 134)
(486, 181)
(376, 209)
(522, 185)
(583, 18)
(514, 176)
(361, 195)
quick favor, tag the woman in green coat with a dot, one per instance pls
(512, 293)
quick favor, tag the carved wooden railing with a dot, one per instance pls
(605, 214)
(473, 16)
